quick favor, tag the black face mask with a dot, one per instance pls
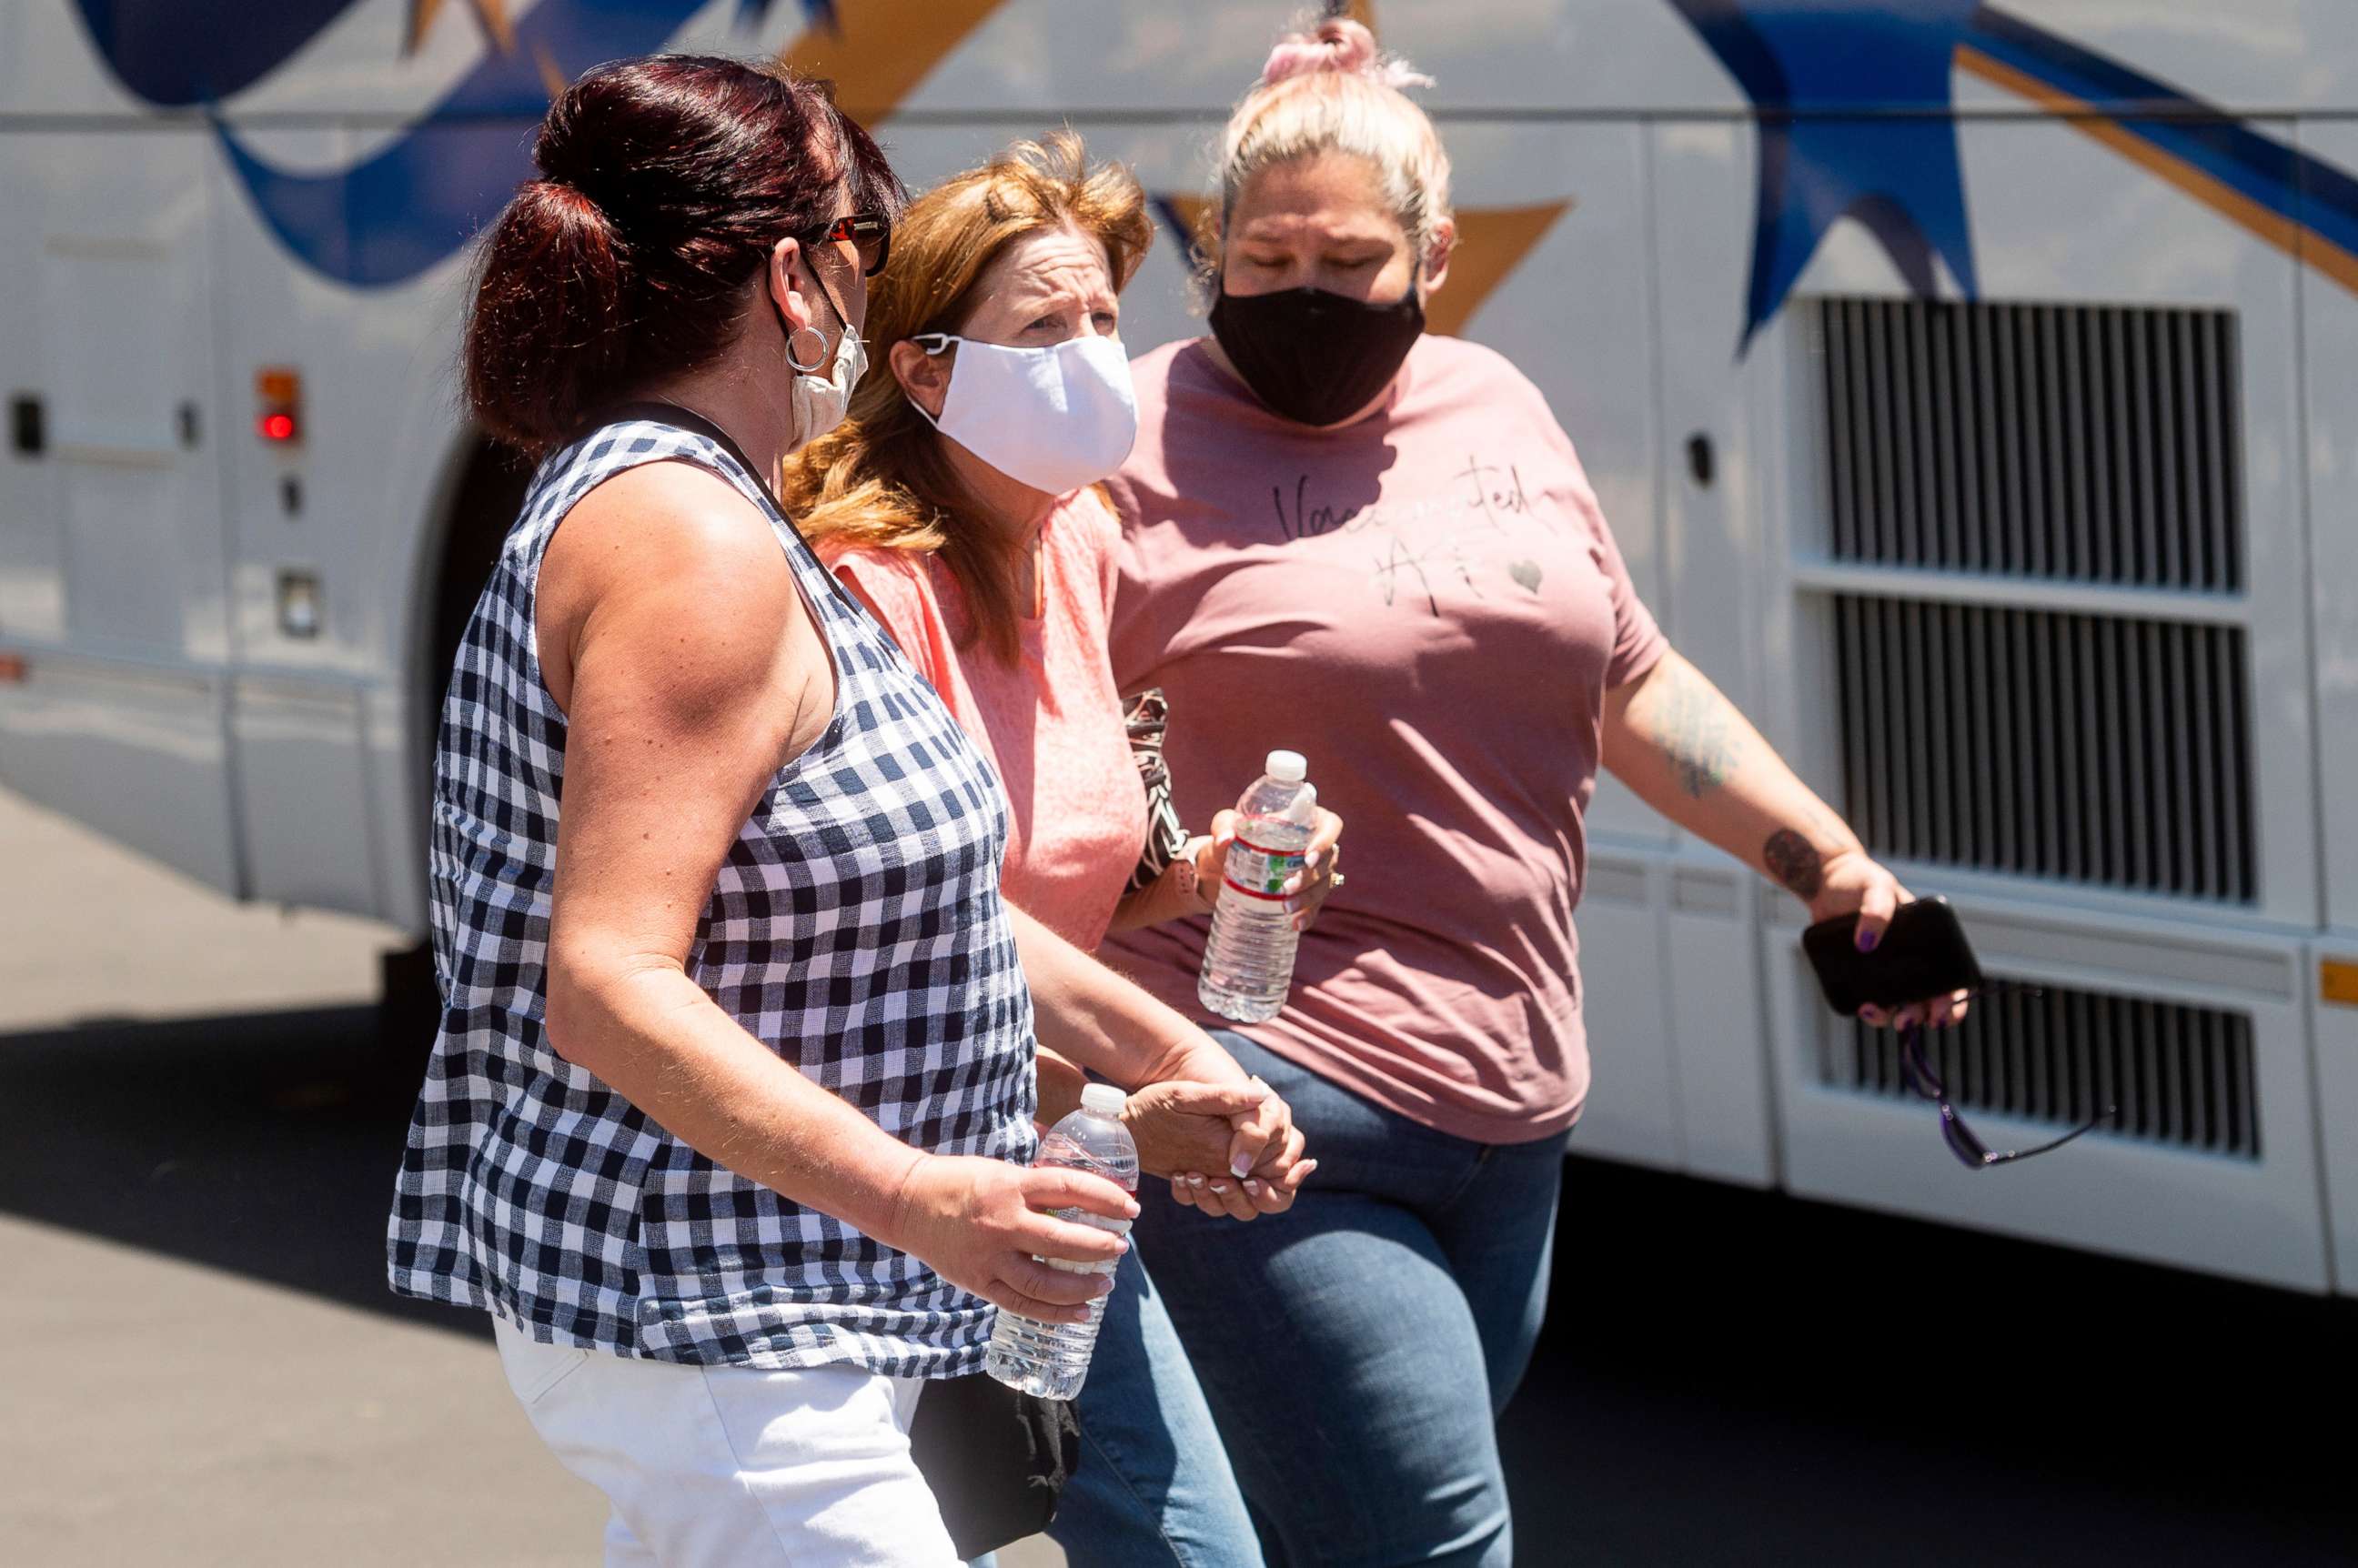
(1316, 358)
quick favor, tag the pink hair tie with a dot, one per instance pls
(1299, 57)
(1344, 46)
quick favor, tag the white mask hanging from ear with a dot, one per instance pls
(1054, 418)
(821, 396)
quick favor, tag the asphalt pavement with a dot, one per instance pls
(200, 1364)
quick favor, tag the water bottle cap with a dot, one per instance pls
(1104, 1099)
(1287, 767)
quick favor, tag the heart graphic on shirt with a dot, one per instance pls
(1526, 573)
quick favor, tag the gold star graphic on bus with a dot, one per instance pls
(1492, 242)
(492, 15)
(877, 52)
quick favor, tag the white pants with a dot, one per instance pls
(732, 1467)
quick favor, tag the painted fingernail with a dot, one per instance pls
(1867, 939)
(1241, 1165)
(1193, 1181)
(1220, 1187)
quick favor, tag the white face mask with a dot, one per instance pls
(1054, 418)
(820, 400)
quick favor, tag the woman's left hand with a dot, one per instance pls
(1851, 882)
(1242, 1197)
(1307, 892)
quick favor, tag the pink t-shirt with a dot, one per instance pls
(1429, 606)
(1051, 724)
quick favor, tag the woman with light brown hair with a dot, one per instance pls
(959, 501)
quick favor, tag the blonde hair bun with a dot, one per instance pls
(1343, 46)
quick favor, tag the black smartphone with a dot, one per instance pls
(1923, 954)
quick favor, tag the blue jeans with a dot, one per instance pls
(1358, 1349)
(1153, 1487)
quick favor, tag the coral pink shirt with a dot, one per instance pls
(1051, 724)
(1428, 605)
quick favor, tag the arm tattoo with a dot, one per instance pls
(1693, 729)
(1793, 860)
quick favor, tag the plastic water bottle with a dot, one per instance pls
(1051, 1360)
(1248, 958)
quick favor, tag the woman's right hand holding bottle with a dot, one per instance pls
(981, 1224)
(1208, 854)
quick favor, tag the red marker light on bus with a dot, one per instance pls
(279, 399)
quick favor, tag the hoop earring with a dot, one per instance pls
(818, 355)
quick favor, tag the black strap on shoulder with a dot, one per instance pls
(686, 419)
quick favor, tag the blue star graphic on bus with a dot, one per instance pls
(1821, 75)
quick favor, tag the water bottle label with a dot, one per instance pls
(1262, 873)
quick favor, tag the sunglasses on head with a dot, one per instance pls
(1970, 1151)
(870, 233)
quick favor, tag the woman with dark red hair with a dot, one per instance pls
(728, 1117)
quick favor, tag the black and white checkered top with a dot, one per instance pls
(856, 928)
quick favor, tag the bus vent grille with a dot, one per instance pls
(2180, 1076)
(2096, 749)
(2072, 443)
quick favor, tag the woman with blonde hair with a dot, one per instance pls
(1461, 645)
(959, 501)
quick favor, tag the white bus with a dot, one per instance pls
(1974, 388)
